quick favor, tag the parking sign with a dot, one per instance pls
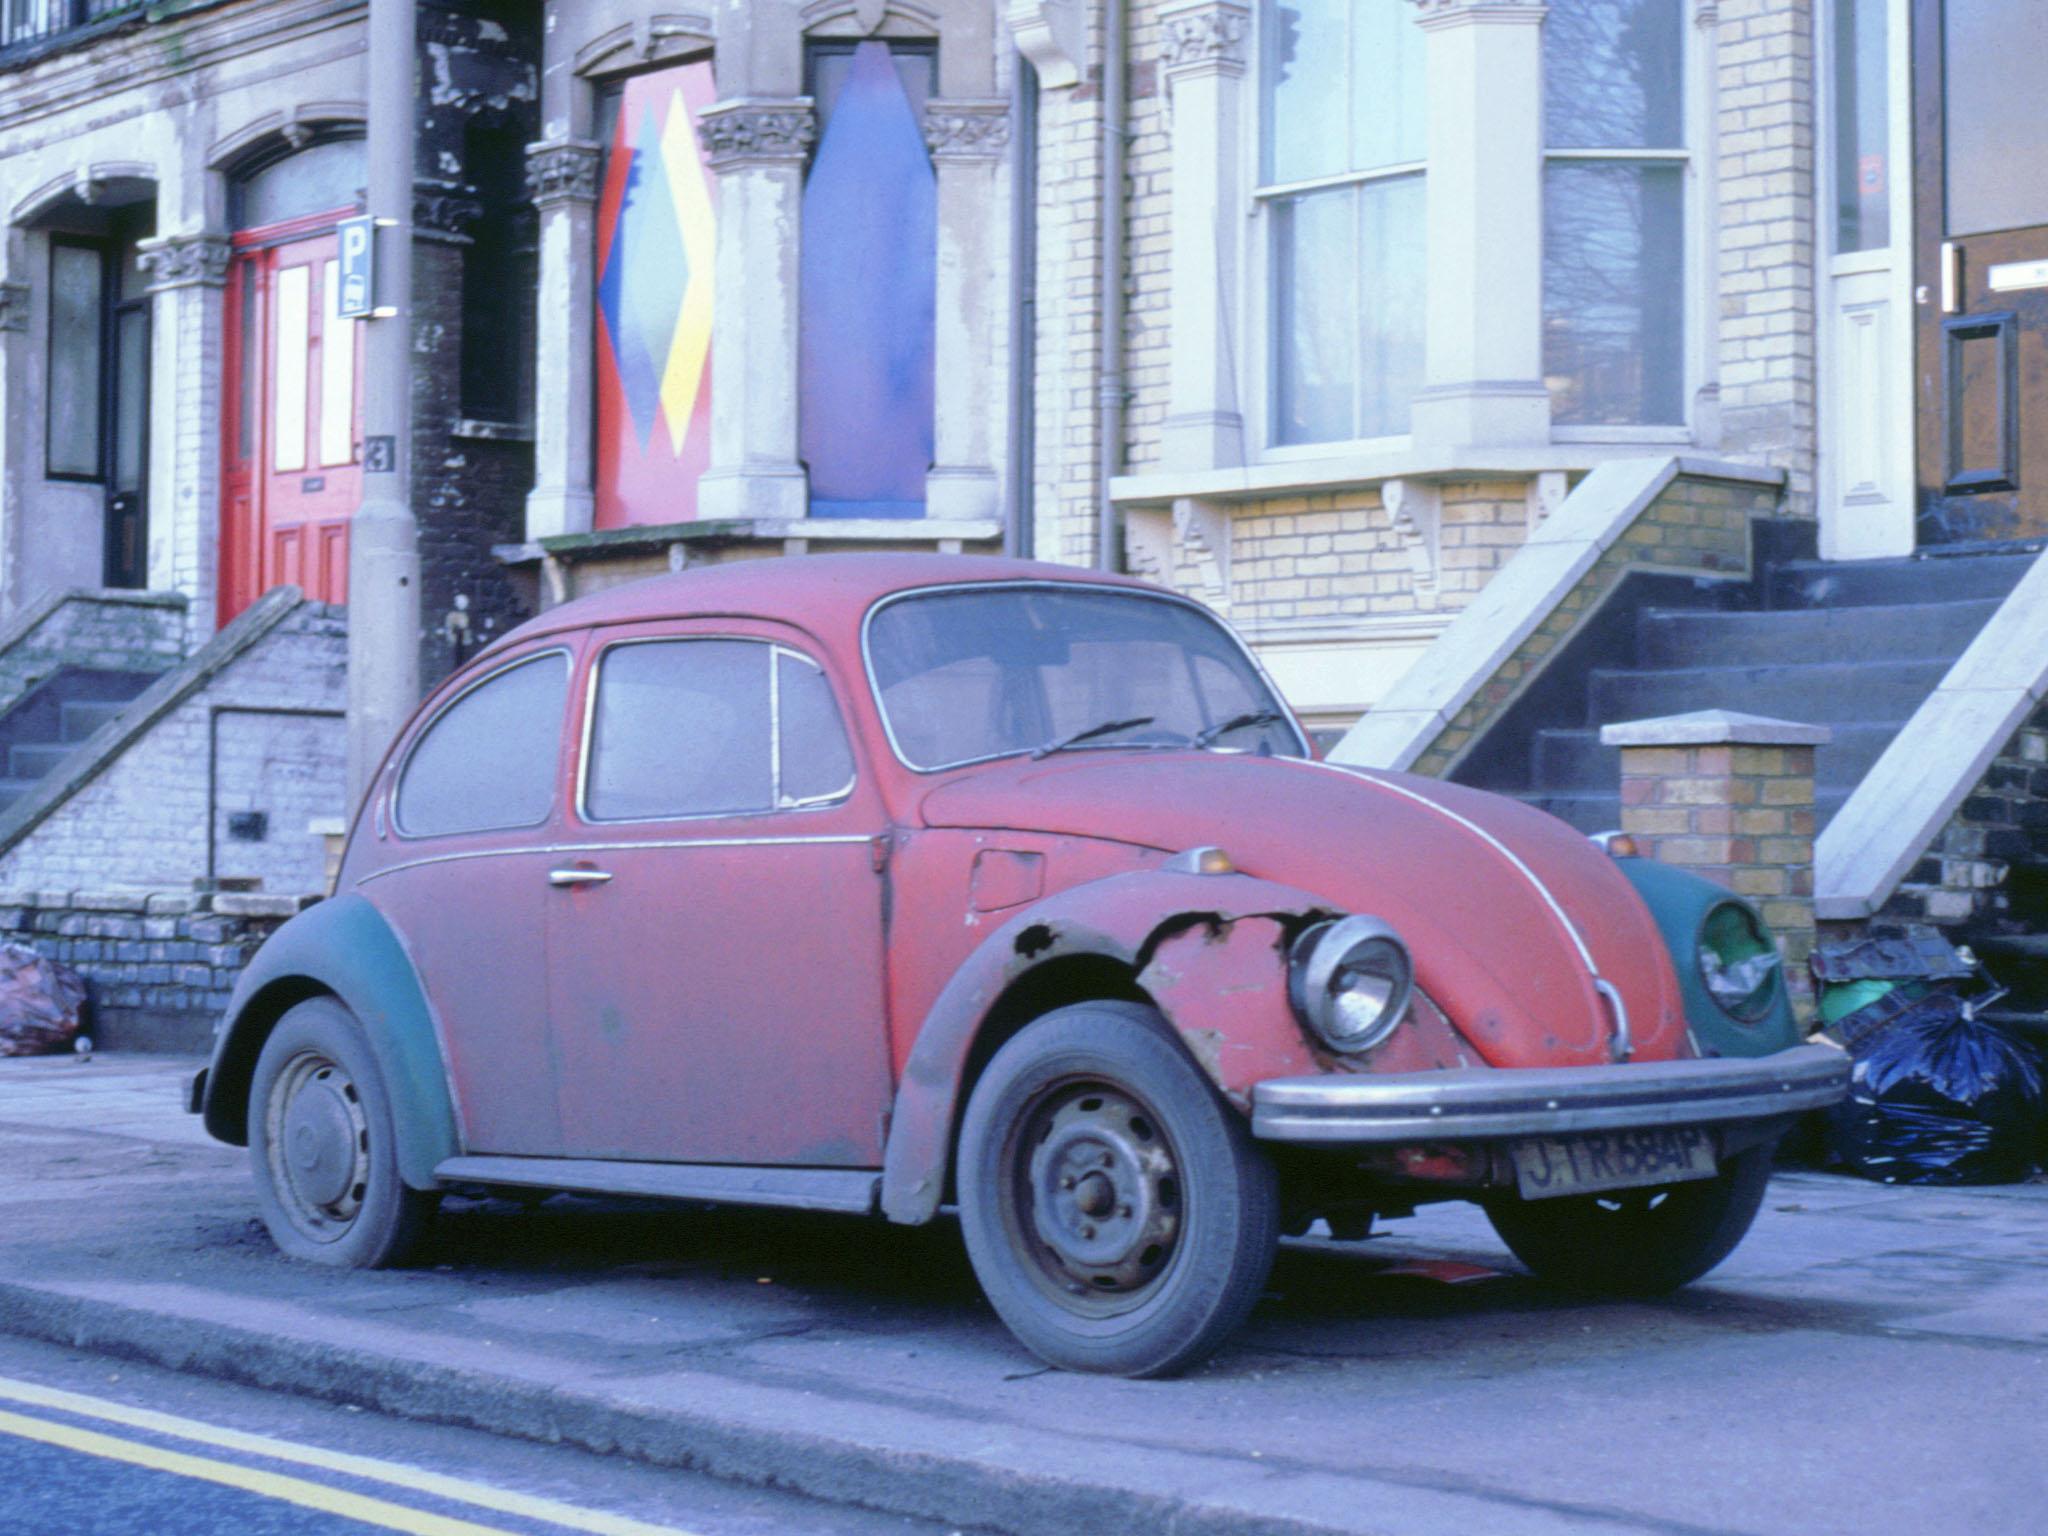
(358, 298)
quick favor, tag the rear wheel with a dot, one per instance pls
(1118, 1214)
(1637, 1242)
(324, 1145)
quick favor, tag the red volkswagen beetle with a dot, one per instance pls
(883, 883)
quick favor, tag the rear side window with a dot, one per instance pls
(489, 760)
(712, 728)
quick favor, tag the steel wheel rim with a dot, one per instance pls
(1093, 1198)
(317, 1145)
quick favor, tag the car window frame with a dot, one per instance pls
(776, 646)
(394, 799)
(1307, 751)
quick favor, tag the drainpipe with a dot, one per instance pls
(383, 543)
(1020, 536)
(1108, 550)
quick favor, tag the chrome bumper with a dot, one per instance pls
(1476, 1103)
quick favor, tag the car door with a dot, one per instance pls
(715, 946)
(462, 878)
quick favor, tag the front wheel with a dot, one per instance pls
(1117, 1213)
(1637, 1242)
(324, 1145)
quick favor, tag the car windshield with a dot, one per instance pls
(964, 675)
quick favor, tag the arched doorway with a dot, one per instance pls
(292, 475)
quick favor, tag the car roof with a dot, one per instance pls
(824, 593)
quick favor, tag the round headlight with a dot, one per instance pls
(1350, 981)
(1738, 962)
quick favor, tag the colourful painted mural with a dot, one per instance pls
(655, 239)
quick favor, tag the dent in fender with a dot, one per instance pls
(343, 946)
(1134, 919)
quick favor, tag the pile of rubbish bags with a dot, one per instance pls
(42, 1003)
(1940, 1092)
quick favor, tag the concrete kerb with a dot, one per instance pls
(869, 1453)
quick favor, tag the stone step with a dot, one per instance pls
(1921, 578)
(31, 761)
(12, 790)
(1815, 695)
(80, 718)
(1871, 632)
(1574, 761)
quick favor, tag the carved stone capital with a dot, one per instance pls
(966, 130)
(562, 171)
(13, 306)
(747, 132)
(1209, 34)
(185, 261)
(1464, 13)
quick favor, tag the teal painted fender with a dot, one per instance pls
(1680, 901)
(345, 947)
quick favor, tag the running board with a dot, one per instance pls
(805, 1189)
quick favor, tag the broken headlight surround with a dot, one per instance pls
(1350, 982)
(1738, 962)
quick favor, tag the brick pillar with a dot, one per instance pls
(1730, 796)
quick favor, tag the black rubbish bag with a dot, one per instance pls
(1940, 1097)
(42, 1003)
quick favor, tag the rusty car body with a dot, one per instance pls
(881, 883)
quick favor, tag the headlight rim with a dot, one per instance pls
(1767, 995)
(1315, 959)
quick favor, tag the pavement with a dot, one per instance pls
(1872, 1360)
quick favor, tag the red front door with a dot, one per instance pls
(293, 425)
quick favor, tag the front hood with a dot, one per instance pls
(1510, 914)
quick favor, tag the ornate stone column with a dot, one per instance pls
(1483, 363)
(967, 140)
(187, 278)
(562, 177)
(758, 147)
(1203, 53)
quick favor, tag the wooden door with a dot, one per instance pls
(1980, 269)
(294, 476)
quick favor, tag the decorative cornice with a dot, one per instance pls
(185, 261)
(1211, 34)
(1053, 35)
(562, 171)
(746, 131)
(966, 130)
(13, 306)
(1460, 13)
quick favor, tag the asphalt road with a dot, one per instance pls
(92, 1447)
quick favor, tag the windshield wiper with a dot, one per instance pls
(1210, 734)
(1093, 731)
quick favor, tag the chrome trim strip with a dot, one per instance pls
(1479, 1103)
(806, 1189)
(611, 847)
(1148, 594)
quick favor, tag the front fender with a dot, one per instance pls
(1134, 920)
(1679, 901)
(345, 947)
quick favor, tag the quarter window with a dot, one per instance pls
(712, 728)
(1342, 185)
(1614, 212)
(490, 759)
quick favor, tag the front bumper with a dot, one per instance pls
(1474, 1104)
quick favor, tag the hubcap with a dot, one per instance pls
(319, 1151)
(1101, 1194)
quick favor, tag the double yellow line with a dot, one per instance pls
(283, 1486)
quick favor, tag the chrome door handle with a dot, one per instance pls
(578, 876)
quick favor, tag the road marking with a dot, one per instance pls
(271, 1485)
(392, 1474)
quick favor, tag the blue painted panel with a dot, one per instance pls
(868, 300)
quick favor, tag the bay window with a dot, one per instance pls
(1341, 187)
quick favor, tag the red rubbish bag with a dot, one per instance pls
(42, 1003)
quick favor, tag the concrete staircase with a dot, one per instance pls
(54, 718)
(1855, 646)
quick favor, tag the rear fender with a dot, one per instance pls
(343, 947)
(1208, 950)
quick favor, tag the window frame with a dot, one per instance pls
(109, 294)
(426, 729)
(1696, 301)
(1259, 303)
(777, 648)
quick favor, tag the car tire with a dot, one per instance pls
(1637, 1242)
(1116, 1210)
(324, 1145)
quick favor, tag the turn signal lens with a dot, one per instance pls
(1202, 861)
(1618, 845)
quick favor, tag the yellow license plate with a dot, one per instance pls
(1584, 1165)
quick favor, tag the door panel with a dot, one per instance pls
(1981, 270)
